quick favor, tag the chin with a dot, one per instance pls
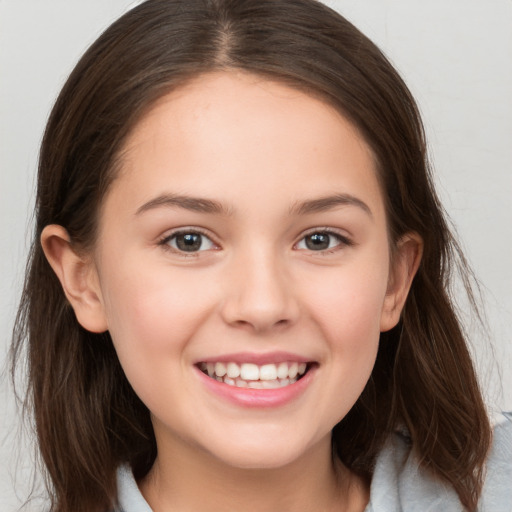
(263, 453)
(259, 461)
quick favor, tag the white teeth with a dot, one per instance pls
(233, 370)
(282, 371)
(270, 384)
(268, 372)
(267, 376)
(249, 371)
(292, 371)
(220, 369)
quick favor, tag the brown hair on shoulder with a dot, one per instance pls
(88, 418)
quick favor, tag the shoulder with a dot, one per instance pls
(128, 495)
(399, 484)
(497, 493)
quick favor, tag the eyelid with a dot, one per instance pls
(344, 240)
(164, 240)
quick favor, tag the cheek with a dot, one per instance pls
(347, 308)
(152, 315)
(351, 325)
(152, 312)
(348, 304)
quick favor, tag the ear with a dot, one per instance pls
(78, 277)
(406, 260)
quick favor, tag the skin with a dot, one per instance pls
(259, 149)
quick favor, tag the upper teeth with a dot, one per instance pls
(250, 371)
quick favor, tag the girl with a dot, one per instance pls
(237, 297)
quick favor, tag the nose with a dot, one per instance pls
(259, 294)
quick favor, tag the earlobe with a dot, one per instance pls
(405, 264)
(77, 276)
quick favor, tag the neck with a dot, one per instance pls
(186, 479)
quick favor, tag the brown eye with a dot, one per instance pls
(190, 242)
(318, 241)
(321, 241)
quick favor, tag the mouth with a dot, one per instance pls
(254, 376)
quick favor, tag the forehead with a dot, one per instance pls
(237, 135)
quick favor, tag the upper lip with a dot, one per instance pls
(255, 358)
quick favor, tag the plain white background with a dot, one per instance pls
(456, 56)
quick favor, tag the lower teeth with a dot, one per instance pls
(256, 384)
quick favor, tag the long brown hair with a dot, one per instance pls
(88, 418)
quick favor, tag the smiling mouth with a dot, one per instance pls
(249, 375)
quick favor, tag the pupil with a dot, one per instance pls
(189, 242)
(317, 241)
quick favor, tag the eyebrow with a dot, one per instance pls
(203, 205)
(328, 203)
(195, 204)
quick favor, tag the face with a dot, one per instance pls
(242, 268)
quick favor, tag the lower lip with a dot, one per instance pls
(248, 397)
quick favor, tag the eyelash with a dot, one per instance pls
(165, 241)
(343, 241)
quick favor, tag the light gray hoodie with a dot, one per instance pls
(398, 483)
